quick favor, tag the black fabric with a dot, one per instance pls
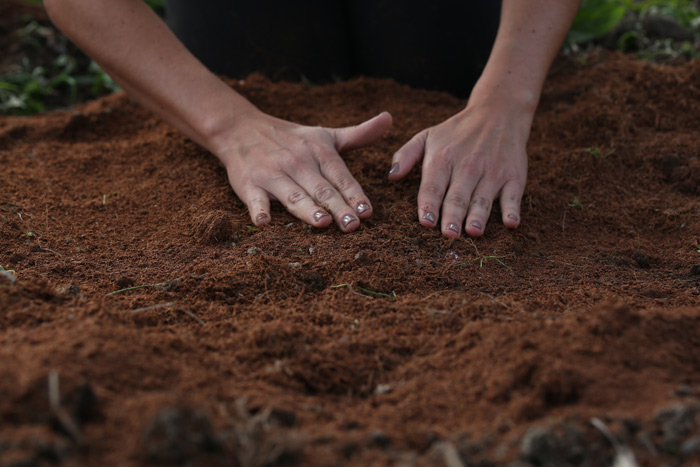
(436, 45)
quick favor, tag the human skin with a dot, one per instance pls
(468, 160)
(479, 154)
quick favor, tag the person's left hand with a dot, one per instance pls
(469, 160)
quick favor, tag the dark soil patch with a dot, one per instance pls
(596, 314)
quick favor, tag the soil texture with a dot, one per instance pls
(388, 346)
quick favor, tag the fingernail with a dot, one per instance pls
(362, 208)
(513, 216)
(348, 219)
(477, 225)
(428, 216)
(320, 215)
(394, 169)
(453, 227)
(262, 216)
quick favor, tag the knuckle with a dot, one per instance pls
(444, 155)
(481, 202)
(257, 201)
(344, 183)
(432, 190)
(458, 200)
(324, 193)
(295, 197)
(291, 160)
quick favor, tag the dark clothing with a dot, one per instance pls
(436, 45)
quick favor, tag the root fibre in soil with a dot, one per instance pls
(232, 345)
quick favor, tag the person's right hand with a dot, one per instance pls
(300, 166)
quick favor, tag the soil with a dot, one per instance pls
(388, 346)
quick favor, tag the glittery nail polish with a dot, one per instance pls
(362, 208)
(453, 227)
(348, 219)
(394, 169)
(477, 225)
(320, 215)
(428, 216)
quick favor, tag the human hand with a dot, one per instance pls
(300, 166)
(469, 160)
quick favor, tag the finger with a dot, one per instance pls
(334, 170)
(433, 184)
(480, 206)
(408, 156)
(298, 202)
(456, 203)
(366, 133)
(258, 202)
(326, 195)
(511, 197)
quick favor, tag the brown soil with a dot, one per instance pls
(253, 347)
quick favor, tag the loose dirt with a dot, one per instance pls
(387, 346)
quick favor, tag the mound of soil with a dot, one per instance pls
(390, 345)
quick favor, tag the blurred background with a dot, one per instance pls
(41, 70)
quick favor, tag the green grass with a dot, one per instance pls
(484, 259)
(598, 154)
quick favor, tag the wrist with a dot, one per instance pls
(505, 93)
(220, 129)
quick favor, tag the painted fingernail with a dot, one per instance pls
(476, 225)
(394, 169)
(513, 216)
(453, 227)
(362, 208)
(320, 215)
(348, 219)
(428, 216)
(261, 217)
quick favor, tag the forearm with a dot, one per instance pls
(142, 54)
(529, 37)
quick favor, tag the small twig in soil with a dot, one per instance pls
(563, 221)
(160, 284)
(350, 287)
(474, 245)
(152, 307)
(483, 259)
(59, 412)
(625, 457)
(163, 305)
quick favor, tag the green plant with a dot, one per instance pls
(11, 271)
(52, 73)
(483, 259)
(698, 248)
(596, 18)
(575, 204)
(597, 153)
(9, 274)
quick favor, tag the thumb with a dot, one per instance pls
(407, 156)
(353, 137)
